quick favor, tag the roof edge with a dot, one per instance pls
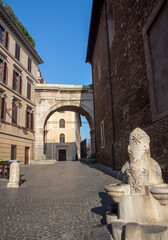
(14, 27)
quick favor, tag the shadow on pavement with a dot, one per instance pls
(22, 181)
(107, 170)
(107, 205)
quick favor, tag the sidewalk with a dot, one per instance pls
(62, 201)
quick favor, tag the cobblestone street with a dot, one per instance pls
(61, 201)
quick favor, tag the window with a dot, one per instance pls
(102, 134)
(14, 111)
(29, 64)
(17, 52)
(4, 37)
(2, 108)
(28, 90)
(3, 71)
(17, 82)
(62, 138)
(29, 118)
(62, 123)
(156, 52)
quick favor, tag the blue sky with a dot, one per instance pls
(60, 30)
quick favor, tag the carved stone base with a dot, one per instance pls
(12, 185)
(131, 231)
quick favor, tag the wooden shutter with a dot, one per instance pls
(2, 71)
(28, 90)
(20, 85)
(32, 123)
(6, 40)
(14, 113)
(18, 53)
(29, 64)
(5, 72)
(16, 50)
(3, 109)
(14, 79)
(26, 122)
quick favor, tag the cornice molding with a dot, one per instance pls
(17, 32)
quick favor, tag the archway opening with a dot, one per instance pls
(67, 134)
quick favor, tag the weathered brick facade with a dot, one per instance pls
(129, 105)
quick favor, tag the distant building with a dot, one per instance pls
(128, 51)
(84, 148)
(18, 75)
(62, 136)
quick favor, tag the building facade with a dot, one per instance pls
(18, 75)
(62, 136)
(127, 49)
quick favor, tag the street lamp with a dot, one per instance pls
(17, 105)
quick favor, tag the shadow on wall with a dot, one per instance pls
(61, 151)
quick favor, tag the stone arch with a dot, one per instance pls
(69, 106)
(44, 114)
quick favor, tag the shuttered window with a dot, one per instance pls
(6, 40)
(2, 108)
(62, 123)
(29, 65)
(62, 138)
(14, 112)
(17, 52)
(17, 82)
(4, 37)
(29, 118)
(3, 71)
(20, 85)
(29, 90)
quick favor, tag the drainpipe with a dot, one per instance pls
(111, 88)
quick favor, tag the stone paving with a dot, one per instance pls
(61, 201)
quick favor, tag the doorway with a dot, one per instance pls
(27, 155)
(13, 152)
(62, 155)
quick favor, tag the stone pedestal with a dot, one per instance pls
(14, 176)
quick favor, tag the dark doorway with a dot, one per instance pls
(62, 155)
(13, 152)
(26, 155)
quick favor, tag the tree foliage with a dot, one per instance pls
(16, 20)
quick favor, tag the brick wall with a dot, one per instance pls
(129, 82)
